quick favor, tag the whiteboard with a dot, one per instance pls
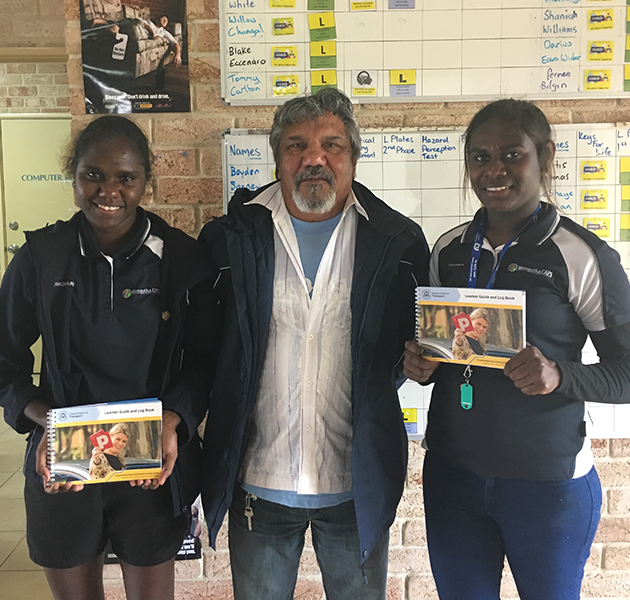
(427, 50)
(419, 172)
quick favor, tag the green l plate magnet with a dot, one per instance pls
(466, 396)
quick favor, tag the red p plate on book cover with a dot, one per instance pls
(101, 440)
(462, 321)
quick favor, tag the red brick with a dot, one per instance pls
(616, 557)
(613, 529)
(614, 474)
(203, 590)
(385, 120)
(205, 69)
(618, 501)
(114, 590)
(77, 100)
(71, 9)
(18, 7)
(414, 476)
(75, 71)
(416, 451)
(207, 37)
(112, 572)
(182, 218)
(187, 131)
(261, 121)
(202, 9)
(211, 162)
(411, 505)
(38, 79)
(21, 68)
(45, 32)
(600, 448)
(174, 162)
(414, 533)
(53, 90)
(51, 68)
(594, 561)
(200, 190)
(188, 569)
(395, 533)
(23, 90)
(606, 585)
(65, 102)
(421, 587)
(620, 448)
(308, 563)
(404, 560)
(307, 589)
(217, 565)
(53, 8)
(395, 587)
(40, 102)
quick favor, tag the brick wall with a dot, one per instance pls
(34, 88)
(188, 191)
(31, 23)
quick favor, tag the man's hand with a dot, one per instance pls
(415, 366)
(532, 373)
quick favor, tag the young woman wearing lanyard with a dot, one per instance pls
(509, 471)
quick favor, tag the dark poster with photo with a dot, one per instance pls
(135, 56)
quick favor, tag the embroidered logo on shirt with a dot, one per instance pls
(127, 293)
(63, 284)
(513, 267)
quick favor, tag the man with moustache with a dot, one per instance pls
(316, 292)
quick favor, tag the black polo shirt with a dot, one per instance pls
(115, 315)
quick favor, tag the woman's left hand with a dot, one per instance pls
(532, 373)
(170, 421)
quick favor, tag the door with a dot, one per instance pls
(35, 192)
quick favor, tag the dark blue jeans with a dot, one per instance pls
(545, 528)
(265, 561)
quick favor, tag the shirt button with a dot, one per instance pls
(311, 337)
(309, 383)
(307, 428)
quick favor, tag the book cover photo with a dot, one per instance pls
(469, 325)
(98, 443)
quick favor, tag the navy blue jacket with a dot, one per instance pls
(391, 259)
(31, 303)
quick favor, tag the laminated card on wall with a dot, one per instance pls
(470, 326)
(113, 441)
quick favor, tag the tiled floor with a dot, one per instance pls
(20, 579)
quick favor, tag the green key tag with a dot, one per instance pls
(466, 396)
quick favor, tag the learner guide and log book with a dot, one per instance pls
(98, 443)
(483, 327)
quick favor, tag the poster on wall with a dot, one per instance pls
(135, 56)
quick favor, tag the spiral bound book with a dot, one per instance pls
(98, 443)
(469, 325)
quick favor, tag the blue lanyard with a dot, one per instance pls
(476, 251)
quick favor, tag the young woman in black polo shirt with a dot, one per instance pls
(118, 298)
(512, 476)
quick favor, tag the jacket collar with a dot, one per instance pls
(538, 231)
(246, 216)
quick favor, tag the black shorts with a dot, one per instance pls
(70, 529)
